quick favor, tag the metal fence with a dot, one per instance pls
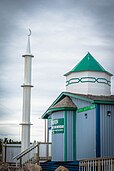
(97, 164)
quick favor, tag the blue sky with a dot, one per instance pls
(63, 31)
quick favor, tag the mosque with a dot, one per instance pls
(81, 119)
(80, 122)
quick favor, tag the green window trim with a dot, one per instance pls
(65, 136)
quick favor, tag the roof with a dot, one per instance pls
(61, 105)
(61, 102)
(65, 102)
(97, 99)
(88, 63)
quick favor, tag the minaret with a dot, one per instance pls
(25, 137)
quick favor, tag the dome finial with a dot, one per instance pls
(28, 50)
(29, 32)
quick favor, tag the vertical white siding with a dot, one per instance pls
(86, 134)
(107, 130)
(58, 140)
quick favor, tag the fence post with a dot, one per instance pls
(5, 151)
(99, 166)
(2, 151)
(47, 151)
(21, 162)
(38, 152)
(112, 164)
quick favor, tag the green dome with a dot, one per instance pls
(88, 63)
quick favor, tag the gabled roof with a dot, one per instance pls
(61, 102)
(66, 102)
(88, 63)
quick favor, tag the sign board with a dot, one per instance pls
(83, 109)
(58, 126)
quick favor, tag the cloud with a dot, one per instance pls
(62, 33)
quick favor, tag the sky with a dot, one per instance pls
(63, 31)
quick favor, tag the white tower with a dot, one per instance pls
(25, 137)
(89, 77)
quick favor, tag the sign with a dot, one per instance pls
(86, 108)
(58, 126)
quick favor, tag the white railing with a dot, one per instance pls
(97, 164)
(9, 151)
(35, 153)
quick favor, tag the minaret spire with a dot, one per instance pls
(25, 137)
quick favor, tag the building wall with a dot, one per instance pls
(91, 137)
(89, 82)
(107, 130)
(58, 140)
(70, 136)
(66, 141)
(80, 103)
(49, 131)
(80, 141)
(86, 134)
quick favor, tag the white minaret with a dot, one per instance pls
(25, 136)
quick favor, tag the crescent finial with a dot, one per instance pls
(29, 32)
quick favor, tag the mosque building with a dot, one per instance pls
(80, 122)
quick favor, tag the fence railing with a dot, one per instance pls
(97, 164)
(9, 151)
(35, 153)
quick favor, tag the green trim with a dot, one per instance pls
(60, 97)
(49, 119)
(103, 81)
(65, 136)
(80, 97)
(61, 109)
(75, 80)
(74, 135)
(103, 102)
(86, 108)
(90, 79)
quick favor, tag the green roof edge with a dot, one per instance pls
(103, 102)
(61, 108)
(61, 96)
